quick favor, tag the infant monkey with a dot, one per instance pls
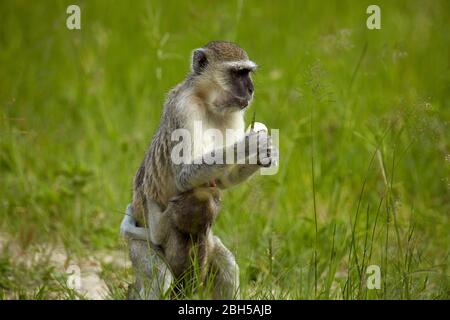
(192, 213)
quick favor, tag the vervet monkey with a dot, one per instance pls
(216, 92)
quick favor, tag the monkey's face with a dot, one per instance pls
(237, 86)
(224, 73)
(231, 84)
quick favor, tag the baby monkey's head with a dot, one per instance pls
(194, 211)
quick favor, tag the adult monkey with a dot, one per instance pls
(216, 92)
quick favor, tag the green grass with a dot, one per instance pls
(364, 141)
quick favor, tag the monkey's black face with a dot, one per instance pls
(241, 86)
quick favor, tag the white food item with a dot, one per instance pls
(258, 127)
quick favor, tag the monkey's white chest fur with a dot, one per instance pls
(208, 134)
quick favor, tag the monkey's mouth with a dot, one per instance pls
(242, 102)
(238, 101)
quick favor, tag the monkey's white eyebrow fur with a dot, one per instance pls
(241, 64)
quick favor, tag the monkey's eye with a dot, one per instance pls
(241, 72)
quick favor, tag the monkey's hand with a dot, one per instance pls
(261, 150)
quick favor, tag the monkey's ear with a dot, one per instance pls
(199, 61)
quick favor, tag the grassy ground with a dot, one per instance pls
(363, 116)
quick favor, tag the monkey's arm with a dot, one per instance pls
(191, 175)
(158, 222)
(263, 154)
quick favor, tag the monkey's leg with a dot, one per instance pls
(225, 271)
(158, 222)
(153, 276)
